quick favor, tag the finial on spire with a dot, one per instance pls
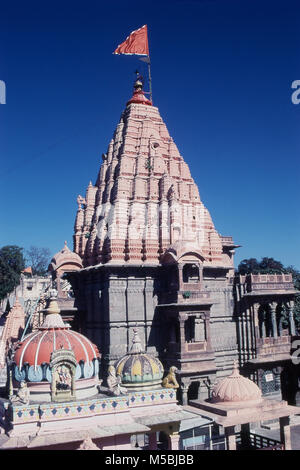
(235, 370)
(138, 93)
(136, 343)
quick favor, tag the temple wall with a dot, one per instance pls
(115, 300)
(112, 305)
(222, 324)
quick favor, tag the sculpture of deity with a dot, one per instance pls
(22, 395)
(114, 382)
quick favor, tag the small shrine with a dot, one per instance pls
(236, 402)
(56, 399)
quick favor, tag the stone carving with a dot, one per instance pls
(22, 395)
(88, 444)
(63, 366)
(80, 201)
(170, 380)
(114, 382)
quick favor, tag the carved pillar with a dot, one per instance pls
(199, 333)
(277, 377)
(184, 388)
(279, 320)
(285, 432)
(292, 328)
(230, 438)
(180, 278)
(273, 306)
(174, 441)
(182, 319)
(207, 330)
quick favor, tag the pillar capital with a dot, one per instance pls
(273, 306)
(174, 440)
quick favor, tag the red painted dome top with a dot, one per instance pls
(138, 95)
(37, 347)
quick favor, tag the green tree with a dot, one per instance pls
(38, 259)
(248, 266)
(12, 264)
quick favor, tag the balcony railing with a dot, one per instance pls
(258, 442)
(259, 282)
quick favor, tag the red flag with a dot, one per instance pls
(27, 270)
(136, 43)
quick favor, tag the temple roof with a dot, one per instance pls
(144, 200)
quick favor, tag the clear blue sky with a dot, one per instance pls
(222, 73)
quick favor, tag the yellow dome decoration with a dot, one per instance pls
(139, 370)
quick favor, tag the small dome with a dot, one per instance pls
(32, 356)
(235, 388)
(65, 256)
(138, 369)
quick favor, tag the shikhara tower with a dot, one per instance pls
(151, 254)
(153, 260)
(144, 203)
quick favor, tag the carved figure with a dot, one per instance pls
(22, 395)
(170, 380)
(63, 378)
(114, 382)
(88, 444)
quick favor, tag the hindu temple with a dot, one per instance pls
(153, 259)
(150, 334)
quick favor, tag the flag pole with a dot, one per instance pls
(150, 79)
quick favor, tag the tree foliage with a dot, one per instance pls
(265, 266)
(38, 259)
(12, 264)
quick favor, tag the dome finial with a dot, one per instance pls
(136, 347)
(138, 93)
(235, 370)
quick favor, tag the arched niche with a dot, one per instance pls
(63, 367)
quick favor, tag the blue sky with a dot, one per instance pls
(222, 72)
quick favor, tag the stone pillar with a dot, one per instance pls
(174, 441)
(152, 441)
(199, 329)
(245, 436)
(277, 377)
(182, 319)
(180, 276)
(184, 389)
(273, 306)
(285, 432)
(230, 437)
(255, 319)
(292, 328)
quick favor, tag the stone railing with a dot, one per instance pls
(258, 442)
(273, 346)
(259, 282)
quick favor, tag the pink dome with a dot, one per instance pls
(37, 347)
(65, 256)
(235, 388)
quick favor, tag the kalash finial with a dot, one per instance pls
(52, 305)
(139, 81)
(138, 93)
(235, 371)
(136, 347)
